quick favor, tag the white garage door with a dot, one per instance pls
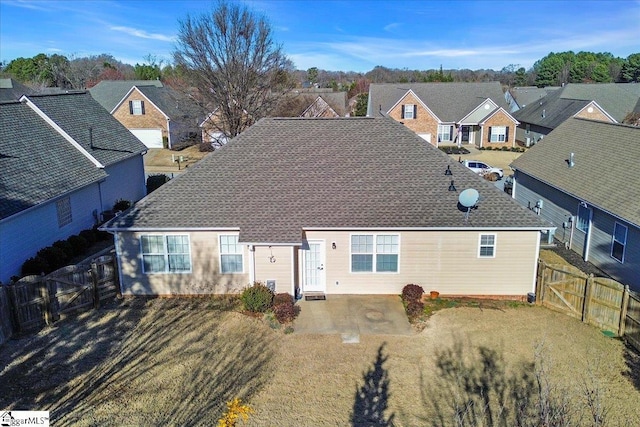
(152, 138)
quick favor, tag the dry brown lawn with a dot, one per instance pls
(176, 362)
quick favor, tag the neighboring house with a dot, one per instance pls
(582, 178)
(158, 115)
(462, 113)
(520, 97)
(326, 206)
(312, 102)
(11, 90)
(64, 160)
(608, 102)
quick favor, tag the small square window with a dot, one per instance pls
(487, 247)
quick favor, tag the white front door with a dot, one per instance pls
(313, 272)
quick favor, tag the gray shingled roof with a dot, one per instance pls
(11, 90)
(283, 175)
(606, 161)
(526, 95)
(110, 92)
(449, 101)
(76, 113)
(173, 103)
(617, 99)
(37, 163)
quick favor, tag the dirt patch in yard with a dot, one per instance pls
(176, 362)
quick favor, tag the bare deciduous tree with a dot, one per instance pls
(230, 56)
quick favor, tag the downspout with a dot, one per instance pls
(481, 136)
(169, 142)
(535, 264)
(587, 243)
(252, 264)
(293, 271)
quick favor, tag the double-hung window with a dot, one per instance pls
(487, 246)
(445, 133)
(230, 254)
(619, 242)
(166, 253)
(136, 107)
(374, 253)
(409, 111)
(498, 134)
(584, 217)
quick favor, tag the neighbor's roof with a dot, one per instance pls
(449, 101)
(110, 92)
(283, 175)
(78, 113)
(37, 163)
(11, 90)
(606, 157)
(173, 103)
(526, 95)
(617, 99)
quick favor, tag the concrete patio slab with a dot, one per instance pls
(352, 316)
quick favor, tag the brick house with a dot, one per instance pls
(447, 113)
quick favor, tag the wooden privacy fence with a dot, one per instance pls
(601, 302)
(34, 301)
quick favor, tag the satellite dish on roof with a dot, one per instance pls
(469, 197)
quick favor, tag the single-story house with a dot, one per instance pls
(331, 206)
(64, 160)
(446, 113)
(582, 178)
(608, 102)
(156, 114)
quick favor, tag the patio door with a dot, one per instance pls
(313, 273)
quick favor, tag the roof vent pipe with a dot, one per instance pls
(571, 160)
(544, 113)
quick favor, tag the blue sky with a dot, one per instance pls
(337, 35)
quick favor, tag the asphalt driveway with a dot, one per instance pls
(352, 316)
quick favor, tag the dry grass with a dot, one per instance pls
(551, 257)
(177, 362)
(495, 158)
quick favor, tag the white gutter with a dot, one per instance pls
(252, 265)
(64, 134)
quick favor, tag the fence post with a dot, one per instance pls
(588, 291)
(93, 272)
(623, 311)
(540, 282)
(44, 293)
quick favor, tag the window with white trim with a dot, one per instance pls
(381, 257)
(445, 133)
(487, 246)
(498, 133)
(230, 255)
(409, 111)
(165, 253)
(63, 210)
(136, 107)
(619, 241)
(584, 216)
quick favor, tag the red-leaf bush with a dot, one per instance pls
(412, 293)
(284, 309)
(414, 309)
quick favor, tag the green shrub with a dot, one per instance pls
(55, 257)
(121, 205)
(412, 293)
(35, 265)
(257, 298)
(89, 236)
(79, 244)
(66, 247)
(156, 181)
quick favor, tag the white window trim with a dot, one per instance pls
(64, 211)
(166, 254)
(480, 245)
(406, 110)
(494, 131)
(450, 136)
(374, 253)
(613, 241)
(220, 253)
(134, 111)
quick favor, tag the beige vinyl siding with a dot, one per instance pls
(280, 270)
(205, 277)
(444, 261)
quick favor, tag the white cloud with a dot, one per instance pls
(54, 49)
(392, 26)
(143, 34)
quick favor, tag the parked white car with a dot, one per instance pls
(484, 169)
